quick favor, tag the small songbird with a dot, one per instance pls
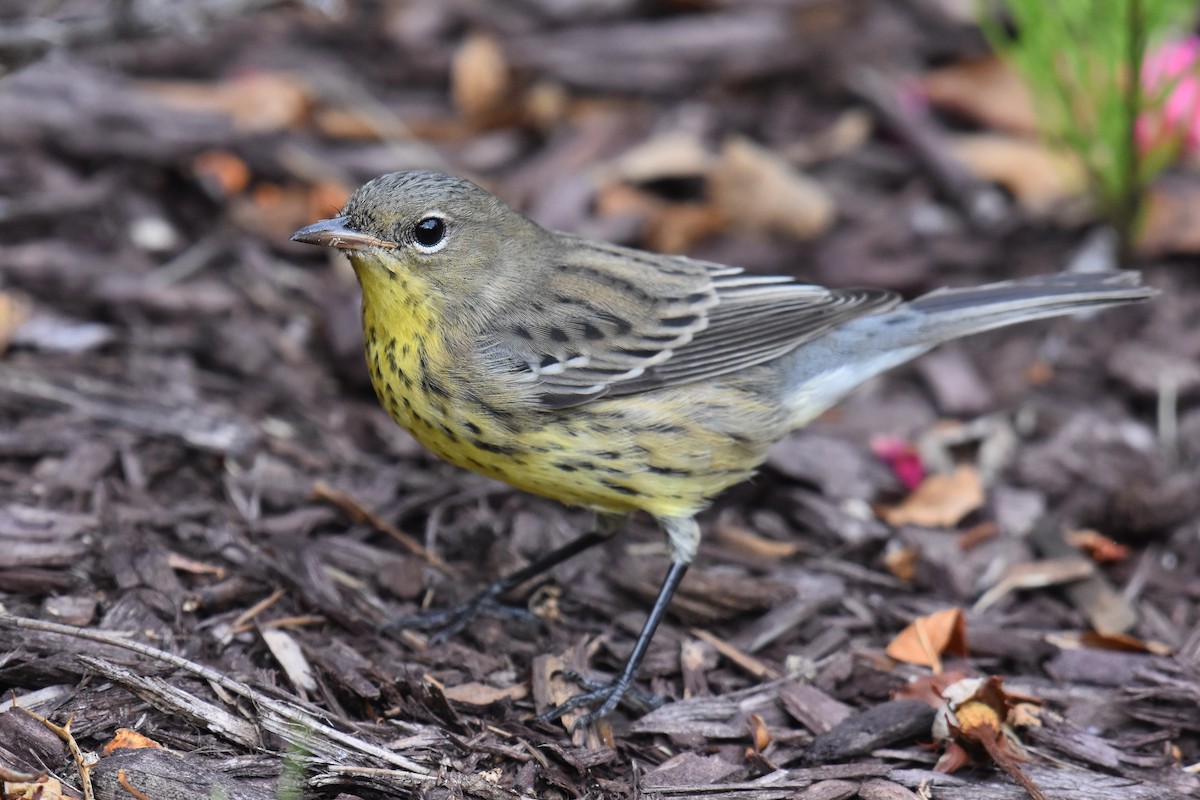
(616, 379)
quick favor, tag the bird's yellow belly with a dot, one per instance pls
(616, 456)
(667, 452)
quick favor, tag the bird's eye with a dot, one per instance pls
(430, 232)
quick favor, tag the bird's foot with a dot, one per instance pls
(448, 622)
(602, 697)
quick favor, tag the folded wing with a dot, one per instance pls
(620, 321)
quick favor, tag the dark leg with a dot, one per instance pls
(451, 621)
(609, 695)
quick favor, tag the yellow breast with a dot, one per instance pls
(643, 452)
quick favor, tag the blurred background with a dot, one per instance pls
(184, 411)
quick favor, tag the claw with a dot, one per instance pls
(607, 695)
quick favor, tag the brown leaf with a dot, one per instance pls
(987, 91)
(1041, 179)
(1123, 642)
(221, 172)
(925, 640)
(1036, 575)
(1099, 547)
(940, 501)
(14, 311)
(256, 102)
(669, 227)
(759, 733)
(980, 725)
(40, 788)
(744, 540)
(481, 694)
(764, 193)
(127, 738)
(929, 688)
(902, 562)
(479, 79)
(675, 154)
(977, 535)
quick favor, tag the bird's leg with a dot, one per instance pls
(684, 536)
(604, 697)
(450, 621)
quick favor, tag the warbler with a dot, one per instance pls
(616, 379)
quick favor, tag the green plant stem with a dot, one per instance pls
(1129, 203)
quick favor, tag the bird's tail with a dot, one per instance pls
(824, 370)
(951, 313)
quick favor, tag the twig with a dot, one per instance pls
(283, 719)
(81, 762)
(359, 513)
(981, 204)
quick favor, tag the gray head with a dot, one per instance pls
(451, 232)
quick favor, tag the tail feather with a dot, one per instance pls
(824, 370)
(951, 313)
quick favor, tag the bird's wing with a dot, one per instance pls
(616, 321)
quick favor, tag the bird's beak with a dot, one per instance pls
(336, 232)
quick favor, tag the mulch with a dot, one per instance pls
(205, 515)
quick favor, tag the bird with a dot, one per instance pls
(616, 379)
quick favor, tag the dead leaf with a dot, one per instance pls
(481, 694)
(14, 311)
(1098, 547)
(927, 638)
(977, 535)
(681, 225)
(744, 540)
(1123, 642)
(221, 172)
(479, 79)
(929, 688)
(1036, 575)
(290, 656)
(976, 718)
(941, 501)
(763, 193)
(38, 788)
(255, 102)
(848, 133)
(759, 734)
(902, 562)
(984, 90)
(669, 227)
(127, 739)
(674, 154)
(1042, 180)
(546, 105)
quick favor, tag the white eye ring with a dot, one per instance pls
(430, 234)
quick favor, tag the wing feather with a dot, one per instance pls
(616, 321)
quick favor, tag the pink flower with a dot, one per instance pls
(902, 457)
(1171, 82)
